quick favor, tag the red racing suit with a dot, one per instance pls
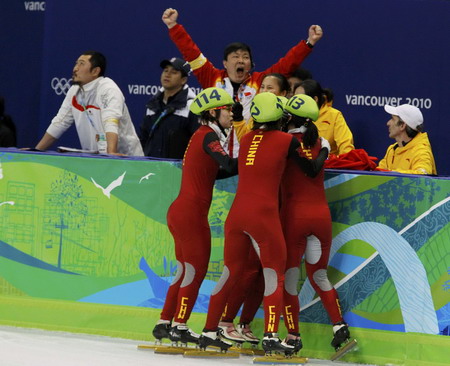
(187, 219)
(253, 222)
(306, 221)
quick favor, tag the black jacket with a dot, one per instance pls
(167, 129)
(7, 132)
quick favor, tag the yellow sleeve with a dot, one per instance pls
(384, 163)
(242, 127)
(342, 135)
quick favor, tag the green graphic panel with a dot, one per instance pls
(84, 247)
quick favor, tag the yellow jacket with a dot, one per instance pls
(332, 126)
(414, 158)
(242, 127)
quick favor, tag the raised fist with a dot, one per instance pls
(315, 33)
(170, 17)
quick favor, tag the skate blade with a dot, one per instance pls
(280, 359)
(152, 346)
(208, 354)
(247, 351)
(351, 345)
(170, 350)
(146, 346)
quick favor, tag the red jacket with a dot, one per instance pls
(209, 76)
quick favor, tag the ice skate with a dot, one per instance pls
(182, 334)
(342, 342)
(214, 339)
(161, 331)
(229, 332)
(271, 343)
(295, 341)
(246, 333)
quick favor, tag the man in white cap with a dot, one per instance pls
(411, 154)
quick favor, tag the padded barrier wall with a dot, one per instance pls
(73, 258)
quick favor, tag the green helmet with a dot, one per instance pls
(266, 107)
(210, 98)
(303, 105)
(284, 100)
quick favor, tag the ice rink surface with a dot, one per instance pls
(34, 347)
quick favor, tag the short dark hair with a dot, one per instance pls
(206, 117)
(409, 131)
(268, 126)
(97, 59)
(302, 74)
(236, 46)
(314, 89)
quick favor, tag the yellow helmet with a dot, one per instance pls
(266, 107)
(210, 98)
(303, 105)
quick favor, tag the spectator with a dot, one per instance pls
(331, 122)
(296, 78)
(237, 78)
(168, 124)
(273, 83)
(97, 106)
(8, 137)
(411, 153)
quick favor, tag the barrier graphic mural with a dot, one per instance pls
(83, 232)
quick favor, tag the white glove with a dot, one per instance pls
(325, 144)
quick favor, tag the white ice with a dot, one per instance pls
(35, 347)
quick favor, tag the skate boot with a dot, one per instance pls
(342, 342)
(295, 341)
(161, 331)
(213, 338)
(229, 332)
(181, 333)
(246, 333)
(341, 335)
(271, 343)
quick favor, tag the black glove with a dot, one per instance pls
(237, 109)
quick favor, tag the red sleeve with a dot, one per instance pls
(207, 74)
(287, 64)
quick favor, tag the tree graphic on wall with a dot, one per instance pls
(69, 209)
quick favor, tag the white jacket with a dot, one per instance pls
(96, 108)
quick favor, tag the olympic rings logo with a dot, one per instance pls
(60, 86)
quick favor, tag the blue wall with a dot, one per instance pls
(374, 49)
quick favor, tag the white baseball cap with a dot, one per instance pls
(409, 114)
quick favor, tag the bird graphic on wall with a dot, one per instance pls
(7, 203)
(146, 177)
(114, 184)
